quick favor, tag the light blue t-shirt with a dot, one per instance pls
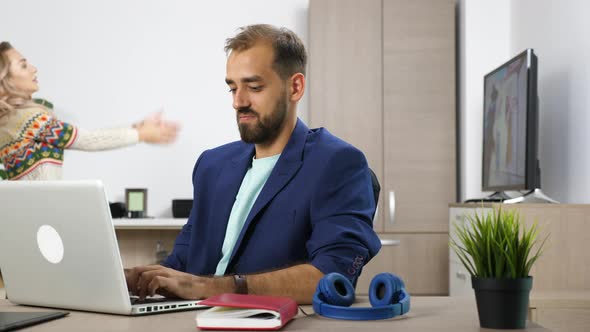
(250, 188)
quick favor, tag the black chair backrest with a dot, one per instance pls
(376, 186)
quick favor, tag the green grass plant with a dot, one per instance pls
(497, 245)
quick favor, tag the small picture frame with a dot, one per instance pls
(136, 202)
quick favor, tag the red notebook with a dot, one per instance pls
(246, 312)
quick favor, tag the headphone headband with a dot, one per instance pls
(335, 294)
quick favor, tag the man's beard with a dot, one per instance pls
(264, 130)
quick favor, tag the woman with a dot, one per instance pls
(32, 139)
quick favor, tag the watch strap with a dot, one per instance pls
(241, 284)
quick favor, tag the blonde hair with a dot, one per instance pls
(290, 56)
(10, 97)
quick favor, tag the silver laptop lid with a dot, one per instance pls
(58, 246)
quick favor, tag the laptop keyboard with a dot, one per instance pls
(137, 300)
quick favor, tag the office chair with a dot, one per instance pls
(376, 189)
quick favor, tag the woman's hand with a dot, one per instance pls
(156, 130)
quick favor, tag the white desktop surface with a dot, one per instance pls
(149, 223)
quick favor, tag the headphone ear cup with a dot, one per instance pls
(335, 294)
(385, 289)
(336, 289)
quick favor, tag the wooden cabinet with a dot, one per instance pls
(138, 238)
(382, 77)
(419, 113)
(565, 262)
(345, 78)
(138, 247)
(420, 260)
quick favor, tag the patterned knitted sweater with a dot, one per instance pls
(33, 140)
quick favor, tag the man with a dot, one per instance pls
(277, 210)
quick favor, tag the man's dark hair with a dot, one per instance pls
(290, 56)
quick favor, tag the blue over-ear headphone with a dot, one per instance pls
(335, 294)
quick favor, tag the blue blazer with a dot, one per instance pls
(316, 207)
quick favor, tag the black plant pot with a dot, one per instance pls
(502, 303)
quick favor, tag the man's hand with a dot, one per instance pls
(156, 279)
(297, 282)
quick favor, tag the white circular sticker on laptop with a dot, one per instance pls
(50, 244)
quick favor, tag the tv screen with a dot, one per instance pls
(510, 125)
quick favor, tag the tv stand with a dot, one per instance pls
(533, 196)
(498, 196)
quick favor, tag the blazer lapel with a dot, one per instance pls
(229, 181)
(287, 166)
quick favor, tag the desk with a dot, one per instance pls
(427, 314)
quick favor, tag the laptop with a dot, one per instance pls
(58, 249)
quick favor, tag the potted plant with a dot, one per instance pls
(497, 250)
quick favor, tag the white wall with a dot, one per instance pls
(492, 32)
(484, 33)
(559, 31)
(106, 63)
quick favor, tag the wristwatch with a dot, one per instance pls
(241, 284)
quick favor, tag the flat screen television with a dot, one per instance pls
(510, 128)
